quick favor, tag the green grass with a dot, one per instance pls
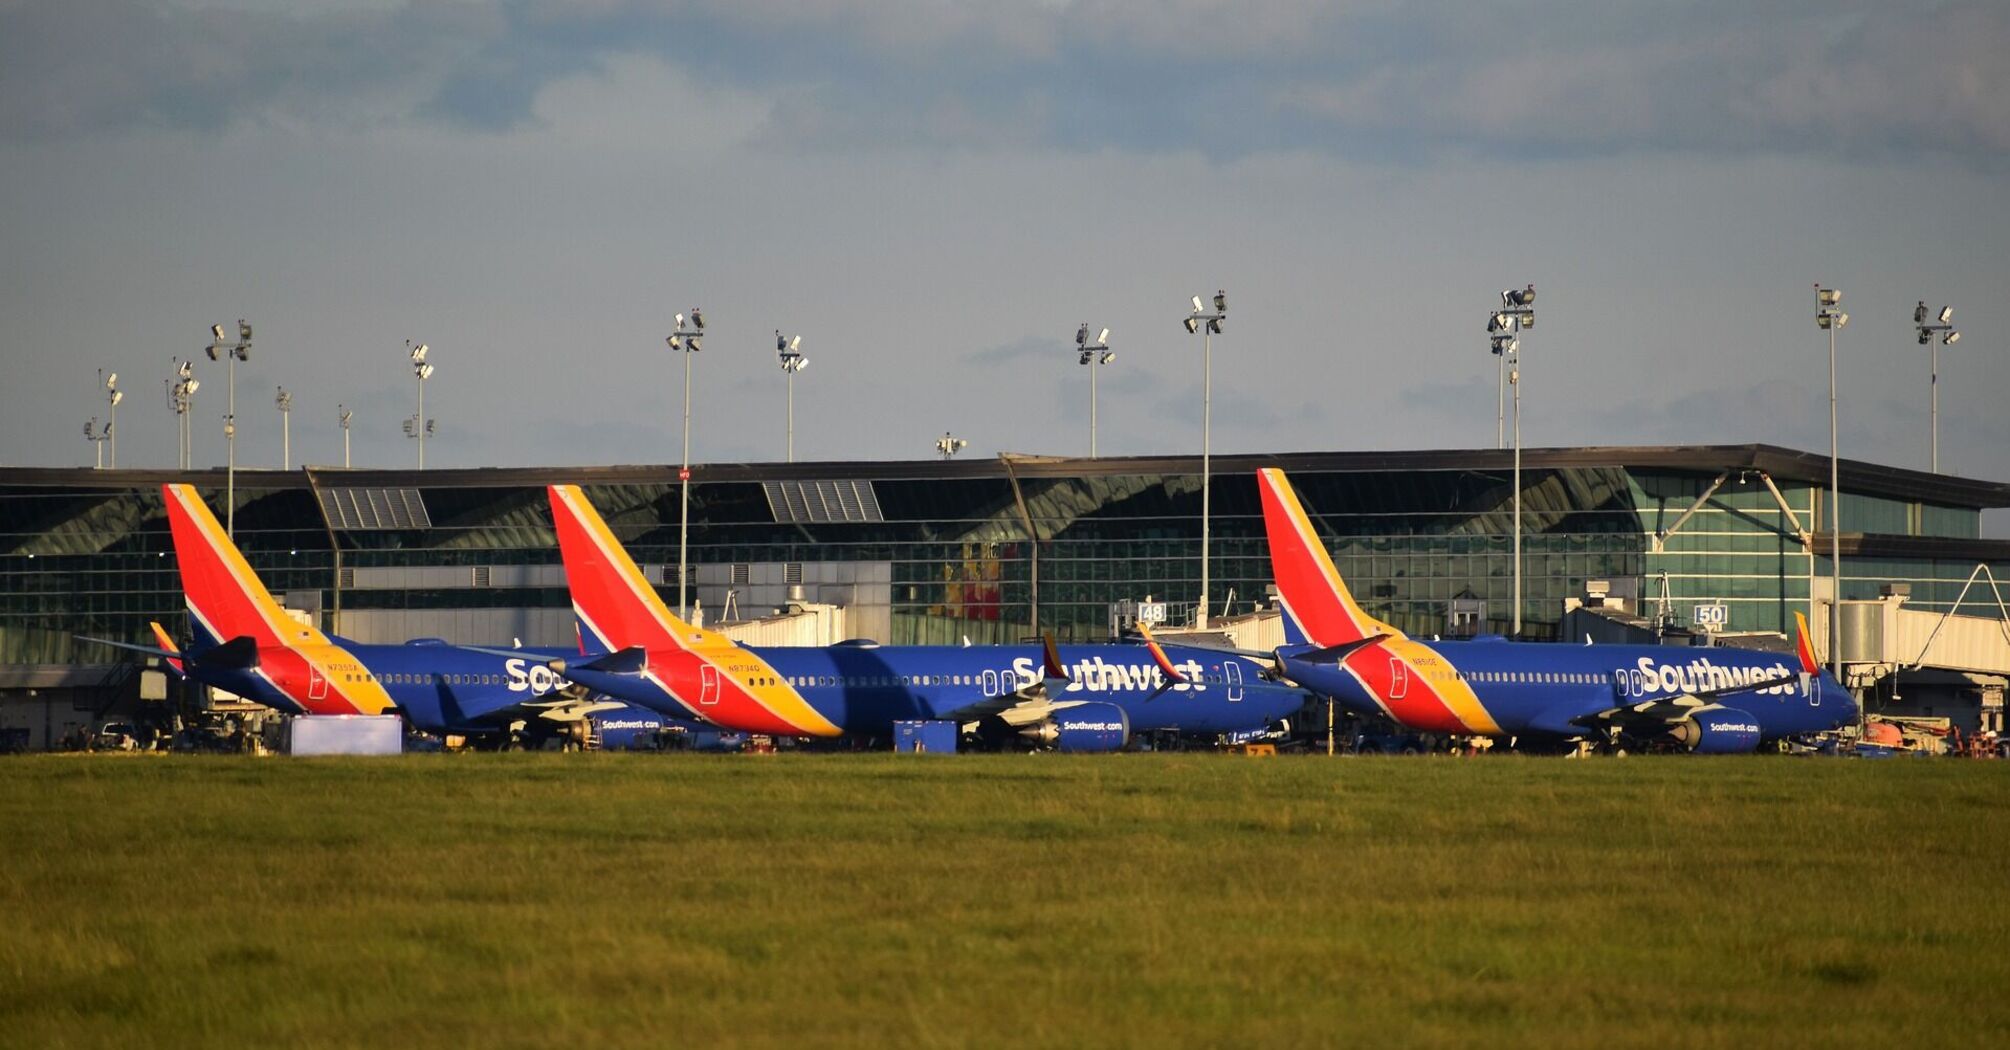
(611, 900)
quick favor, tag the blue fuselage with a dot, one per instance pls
(1552, 689)
(439, 688)
(865, 689)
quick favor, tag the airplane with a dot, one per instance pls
(1072, 698)
(1718, 700)
(244, 643)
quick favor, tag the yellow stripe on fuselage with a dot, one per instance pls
(1432, 670)
(737, 664)
(348, 677)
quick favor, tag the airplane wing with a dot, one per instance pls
(1658, 714)
(1027, 705)
(238, 653)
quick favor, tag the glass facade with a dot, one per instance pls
(984, 550)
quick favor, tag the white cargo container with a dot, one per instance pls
(344, 735)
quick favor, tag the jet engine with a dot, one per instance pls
(1718, 731)
(1083, 728)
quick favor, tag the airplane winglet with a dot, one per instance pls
(167, 645)
(1159, 657)
(1053, 659)
(1804, 646)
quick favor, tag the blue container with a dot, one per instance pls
(938, 737)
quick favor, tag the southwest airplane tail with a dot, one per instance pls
(225, 598)
(243, 635)
(613, 600)
(1316, 601)
(706, 673)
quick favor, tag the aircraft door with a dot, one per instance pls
(1399, 678)
(1231, 672)
(317, 683)
(991, 683)
(1622, 684)
(708, 684)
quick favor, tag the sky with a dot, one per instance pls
(934, 194)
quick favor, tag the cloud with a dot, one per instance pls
(1560, 78)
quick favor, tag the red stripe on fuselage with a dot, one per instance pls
(1419, 706)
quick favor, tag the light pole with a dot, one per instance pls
(949, 446)
(1830, 318)
(790, 350)
(1517, 314)
(1093, 354)
(285, 403)
(181, 397)
(687, 340)
(1209, 325)
(418, 426)
(97, 439)
(113, 395)
(342, 413)
(235, 352)
(1948, 337)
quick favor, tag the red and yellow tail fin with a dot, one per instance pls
(224, 596)
(1166, 666)
(166, 643)
(1309, 585)
(613, 600)
(1804, 646)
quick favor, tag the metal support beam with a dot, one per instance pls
(1662, 535)
(1981, 569)
(1032, 537)
(1807, 538)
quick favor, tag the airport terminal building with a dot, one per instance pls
(1004, 548)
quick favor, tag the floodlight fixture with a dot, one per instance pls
(1504, 325)
(194, 385)
(220, 346)
(1210, 324)
(1830, 318)
(1090, 355)
(687, 341)
(949, 446)
(418, 426)
(1941, 327)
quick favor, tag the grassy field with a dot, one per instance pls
(611, 900)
